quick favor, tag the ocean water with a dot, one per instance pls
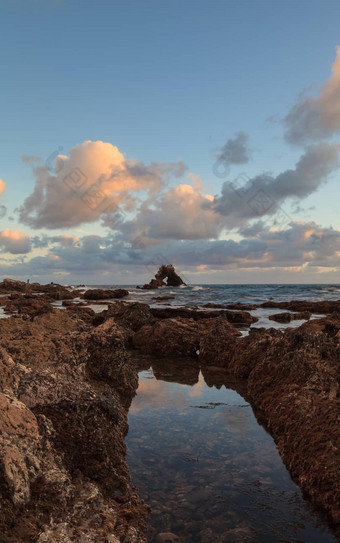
(198, 295)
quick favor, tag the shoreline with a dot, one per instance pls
(68, 378)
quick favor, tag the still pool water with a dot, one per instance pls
(208, 469)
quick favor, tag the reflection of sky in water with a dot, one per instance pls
(209, 471)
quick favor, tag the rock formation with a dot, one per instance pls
(67, 378)
(63, 475)
(288, 317)
(102, 294)
(165, 272)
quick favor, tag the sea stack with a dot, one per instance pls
(167, 271)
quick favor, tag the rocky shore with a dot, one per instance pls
(68, 376)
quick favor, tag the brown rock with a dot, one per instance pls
(107, 359)
(28, 305)
(62, 436)
(217, 342)
(288, 317)
(168, 337)
(238, 318)
(128, 315)
(102, 294)
(165, 272)
(293, 382)
(11, 285)
(326, 306)
(237, 306)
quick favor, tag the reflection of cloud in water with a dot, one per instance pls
(153, 394)
(238, 420)
(198, 389)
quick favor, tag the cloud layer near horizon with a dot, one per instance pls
(300, 246)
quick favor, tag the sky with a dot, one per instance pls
(205, 134)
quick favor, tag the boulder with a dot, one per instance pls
(168, 337)
(288, 317)
(217, 342)
(102, 294)
(128, 315)
(28, 305)
(107, 360)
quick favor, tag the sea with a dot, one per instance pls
(196, 296)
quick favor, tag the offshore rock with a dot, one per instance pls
(102, 294)
(237, 306)
(241, 318)
(325, 306)
(165, 272)
(288, 317)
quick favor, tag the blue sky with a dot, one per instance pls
(166, 82)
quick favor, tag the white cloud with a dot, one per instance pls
(179, 214)
(2, 186)
(89, 184)
(15, 242)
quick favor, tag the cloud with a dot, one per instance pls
(15, 242)
(2, 186)
(263, 195)
(65, 241)
(184, 212)
(90, 184)
(235, 151)
(178, 214)
(316, 117)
